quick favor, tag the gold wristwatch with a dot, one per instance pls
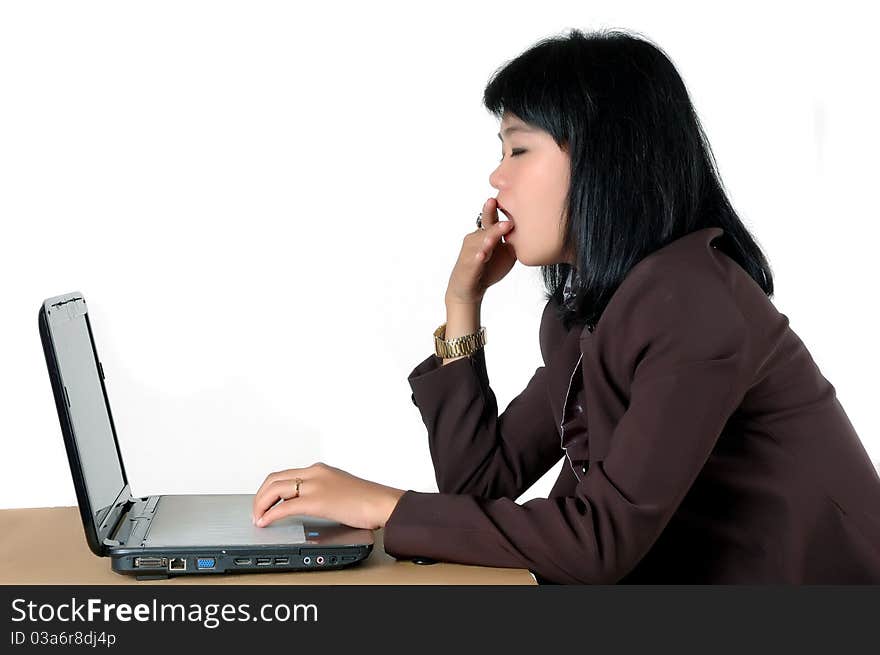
(459, 346)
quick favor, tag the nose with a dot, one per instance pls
(496, 179)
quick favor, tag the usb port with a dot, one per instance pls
(242, 561)
(282, 560)
(264, 561)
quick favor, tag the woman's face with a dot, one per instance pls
(532, 182)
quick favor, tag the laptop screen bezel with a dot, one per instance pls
(95, 534)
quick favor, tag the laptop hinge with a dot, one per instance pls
(115, 516)
(133, 522)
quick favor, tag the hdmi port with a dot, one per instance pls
(264, 561)
(242, 561)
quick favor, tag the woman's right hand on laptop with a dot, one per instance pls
(325, 492)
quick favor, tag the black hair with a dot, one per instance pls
(642, 170)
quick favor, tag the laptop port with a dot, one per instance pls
(177, 564)
(242, 561)
(264, 561)
(282, 560)
(319, 559)
(205, 562)
(150, 562)
(307, 560)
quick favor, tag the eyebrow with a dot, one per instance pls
(514, 128)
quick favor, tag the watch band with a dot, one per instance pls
(459, 346)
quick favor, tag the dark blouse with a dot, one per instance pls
(701, 442)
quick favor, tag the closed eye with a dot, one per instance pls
(514, 152)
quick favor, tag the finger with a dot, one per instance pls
(278, 490)
(308, 473)
(490, 213)
(272, 477)
(287, 474)
(289, 507)
(492, 239)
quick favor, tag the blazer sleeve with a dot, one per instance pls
(475, 450)
(686, 344)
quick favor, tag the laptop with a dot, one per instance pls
(162, 536)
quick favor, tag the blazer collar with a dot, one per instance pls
(579, 339)
(698, 240)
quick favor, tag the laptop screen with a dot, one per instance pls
(88, 410)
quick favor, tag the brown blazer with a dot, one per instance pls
(701, 443)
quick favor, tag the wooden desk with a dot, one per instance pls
(47, 545)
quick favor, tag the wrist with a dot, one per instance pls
(393, 497)
(453, 301)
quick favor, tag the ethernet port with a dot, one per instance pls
(177, 564)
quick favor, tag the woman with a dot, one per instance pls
(701, 442)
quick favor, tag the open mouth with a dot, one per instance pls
(509, 218)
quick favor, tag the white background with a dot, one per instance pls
(262, 203)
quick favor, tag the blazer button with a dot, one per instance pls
(584, 468)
